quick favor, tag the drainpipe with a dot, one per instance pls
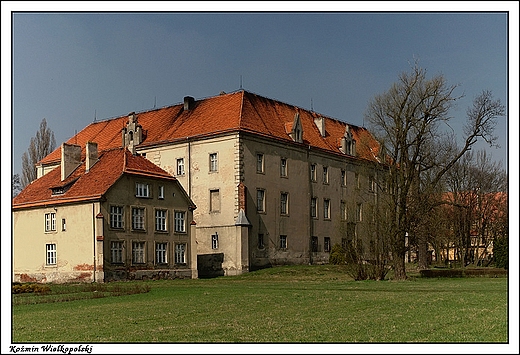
(311, 220)
(94, 237)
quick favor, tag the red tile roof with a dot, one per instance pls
(237, 111)
(112, 164)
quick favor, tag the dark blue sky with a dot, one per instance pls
(72, 67)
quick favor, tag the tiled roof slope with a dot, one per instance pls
(237, 111)
(112, 164)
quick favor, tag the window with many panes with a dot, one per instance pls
(260, 200)
(180, 253)
(313, 172)
(326, 208)
(325, 175)
(283, 242)
(160, 220)
(138, 218)
(116, 252)
(180, 166)
(314, 207)
(283, 167)
(142, 190)
(138, 254)
(116, 217)
(259, 163)
(51, 255)
(214, 241)
(161, 253)
(284, 201)
(326, 244)
(213, 163)
(180, 221)
(50, 222)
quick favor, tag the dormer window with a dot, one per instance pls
(348, 143)
(297, 130)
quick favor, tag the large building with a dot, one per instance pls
(273, 183)
(103, 217)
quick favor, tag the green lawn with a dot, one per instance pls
(285, 304)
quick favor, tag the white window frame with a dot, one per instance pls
(117, 217)
(161, 253)
(180, 253)
(116, 251)
(138, 219)
(160, 192)
(161, 220)
(180, 167)
(50, 222)
(214, 241)
(51, 254)
(180, 221)
(213, 162)
(138, 252)
(284, 203)
(142, 190)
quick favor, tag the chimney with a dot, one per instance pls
(189, 103)
(91, 152)
(320, 123)
(70, 159)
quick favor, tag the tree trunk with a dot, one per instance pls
(422, 247)
(399, 268)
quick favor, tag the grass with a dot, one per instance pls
(285, 304)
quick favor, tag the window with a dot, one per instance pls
(214, 200)
(50, 222)
(142, 190)
(160, 193)
(260, 200)
(116, 252)
(116, 217)
(261, 241)
(160, 220)
(358, 182)
(343, 178)
(138, 252)
(63, 225)
(359, 212)
(283, 242)
(161, 253)
(138, 218)
(283, 167)
(259, 163)
(325, 175)
(343, 210)
(313, 172)
(284, 199)
(314, 244)
(180, 221)
(51, 254)
(213, 163)
(371, 184)
(326, 209)
(180, 253)
(326, 244)
(180, 166)
(314, 207)
(214, 241)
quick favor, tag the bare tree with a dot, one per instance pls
(16, 185)
(40, 146)
(407, 120)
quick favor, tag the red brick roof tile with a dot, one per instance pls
(112, 164)
(237, 111)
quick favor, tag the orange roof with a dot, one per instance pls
(112, 164)
(237, 111)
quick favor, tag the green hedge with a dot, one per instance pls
(487, 272)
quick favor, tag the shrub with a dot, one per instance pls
(337, 255)
(500, 252)
(29, 288)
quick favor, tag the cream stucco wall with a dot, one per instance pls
(74, 245)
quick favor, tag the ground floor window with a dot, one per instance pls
(326, 244)
(180, 253)
(116, 252)
(283, 242)
(214, 241)
(161, 253)
(51, 254)
(261, 241)
(314, 244)
(138, 253)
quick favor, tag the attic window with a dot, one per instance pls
(60, 190)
